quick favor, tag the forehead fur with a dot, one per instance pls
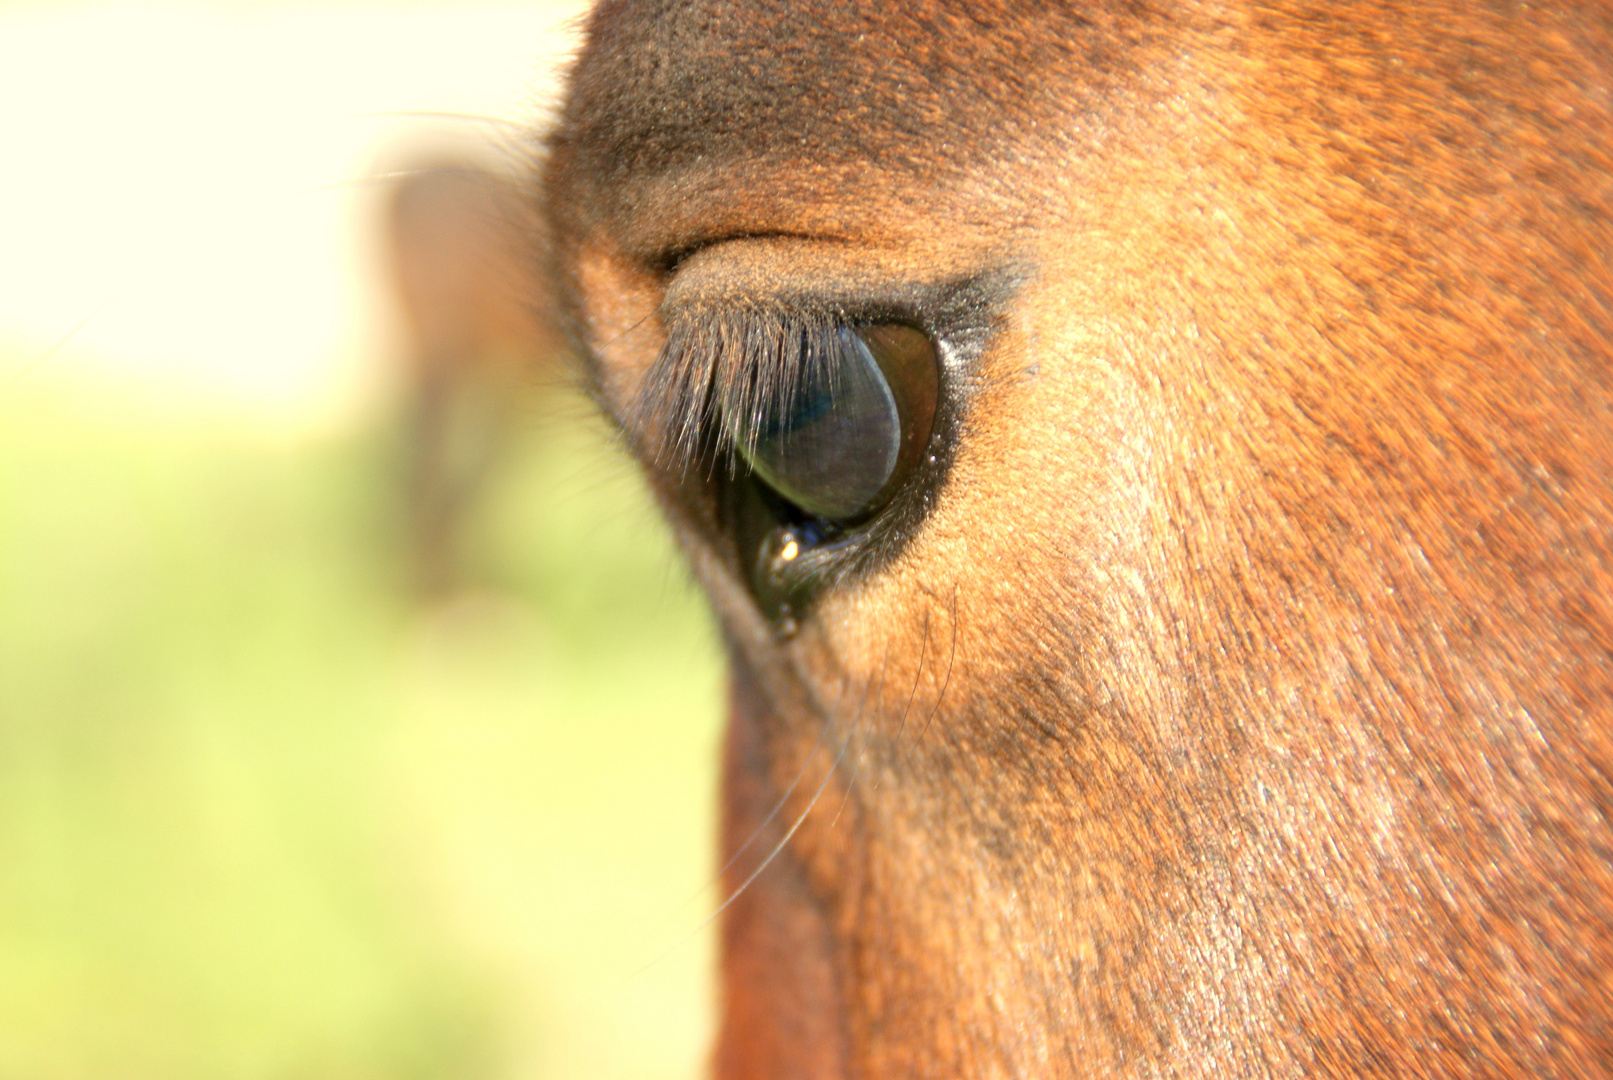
(671, 91)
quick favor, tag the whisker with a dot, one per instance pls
(850, 733)
(783, 799)
(612, 341)
(883, 667)
(45, 357)
(946, 682)
(823, 733)
(392, 175)
(799, 821)
(912, 693)
(777, 848)
(924, 646)
(517, 126)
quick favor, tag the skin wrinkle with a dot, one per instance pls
(1271, 555)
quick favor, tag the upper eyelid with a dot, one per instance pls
(792, 275)
(671, 259)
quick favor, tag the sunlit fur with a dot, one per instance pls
(1237, 703)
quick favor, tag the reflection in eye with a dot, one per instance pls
(838, 440)
(832, 445)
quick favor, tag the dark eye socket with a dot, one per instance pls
(810, 429)
(839, 438)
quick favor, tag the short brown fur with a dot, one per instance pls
(1241, 703)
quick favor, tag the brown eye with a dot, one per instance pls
(838, 441)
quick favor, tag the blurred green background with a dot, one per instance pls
(261, 815)
(264, 812)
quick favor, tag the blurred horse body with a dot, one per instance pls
(461, 241)
(1230, 692)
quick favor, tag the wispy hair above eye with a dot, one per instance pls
(720, 377)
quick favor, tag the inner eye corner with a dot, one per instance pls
(668, 261)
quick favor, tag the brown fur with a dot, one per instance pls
(1239, 701)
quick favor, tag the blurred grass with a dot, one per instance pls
(260, 816)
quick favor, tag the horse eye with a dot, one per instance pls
(840, 440)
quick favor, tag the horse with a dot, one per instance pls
(1152, 464)
(459, 238)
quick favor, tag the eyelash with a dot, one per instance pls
(716, 366)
